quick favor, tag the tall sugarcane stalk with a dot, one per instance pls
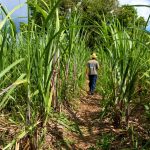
(123, 60)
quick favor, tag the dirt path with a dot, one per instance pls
(84, 115)
(87, 118)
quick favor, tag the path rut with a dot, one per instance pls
(87, 118)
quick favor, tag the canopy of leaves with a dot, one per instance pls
(95, 8)
(92, 12)
(127, 15)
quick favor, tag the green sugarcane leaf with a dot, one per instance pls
(5, 98)
(8, 15)
(2, 73)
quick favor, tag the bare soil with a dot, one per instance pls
(91, 132)
(95, 133)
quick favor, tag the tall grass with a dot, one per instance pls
(50, 66)
(125, 56)
(44, 66)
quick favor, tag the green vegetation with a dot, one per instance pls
(42, 69)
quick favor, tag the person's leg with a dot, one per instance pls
(94, 78)
(90, 83)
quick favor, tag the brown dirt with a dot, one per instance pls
(85, 114)
(87, 117)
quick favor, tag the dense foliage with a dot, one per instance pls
(127, 15)
(42, 68)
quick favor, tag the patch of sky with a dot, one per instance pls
(142, 11)
(20, 15)
(148, 28)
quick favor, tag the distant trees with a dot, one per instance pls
(127, 15)
(92, 11)
(95, 12)
(99, 7)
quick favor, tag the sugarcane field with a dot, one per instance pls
(74, 75)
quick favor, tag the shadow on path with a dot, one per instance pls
(86, 117)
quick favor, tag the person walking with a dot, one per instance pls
(92, 67)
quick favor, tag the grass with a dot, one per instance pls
(42, 67)
(38, 82)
